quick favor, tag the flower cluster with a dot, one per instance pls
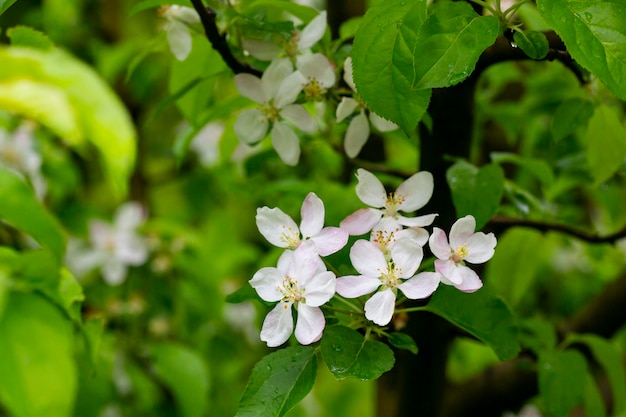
(387, 263)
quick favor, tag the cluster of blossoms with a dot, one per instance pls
(387, 262)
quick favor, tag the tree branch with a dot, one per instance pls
(500, 224)
(218, 41)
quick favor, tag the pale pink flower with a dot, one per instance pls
(464, 246)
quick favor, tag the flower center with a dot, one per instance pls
(389, 278)
(270, 112)
(313, 90)
(291, 45)
(460, 253)
(291, 291)
(383, 238)
(393, 201)
(291, 237)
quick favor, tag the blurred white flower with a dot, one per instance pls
(206, 143)
(178, 35)
(18, 153)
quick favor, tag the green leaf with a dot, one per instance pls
(537, 335)
(69, 98)
(569, 116)
(609, 357)
(403, 341)
(300, 11)
(150, 4)
(38, 377)
(70, 295)
(21, 208)
(562, 381)
(29, 37)
(5, 4)
(606, 144)
(449, 44)
(348, 29)
(538, 167)
(348, 354)
(245, 293)
(481, 314)
(594, 33)
(184, 372)
(382, 60)
(92, 332)
(534, 44)
(594, 404)
(476, 191)
(278, 382)
(509, 272)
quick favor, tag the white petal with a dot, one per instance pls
(129, 216)
(346, 107)
(297, 115)
(284, 261)
(101, 234)
(278, 325)
(416, 191)
(381, 124)
(304, 264)
(480, 247)
(367, 258)
(312, 32)
(289, 89)
(421, 285)
(277, 227)
(320, 289)
(357, 134)
(361, 221)
(179, 39)
(251, 87)
(347, 73)
(251, 126)
(462, 230)
(419, 221)
(370, 190)
(316, 66)
(310, 324)
(131, 249)
(417, 234)
(312, 214)
(114, 272)
(380, 307)
(286, 143)
(186, 14)
(267, 281)
(265, 51)
(330, 240)
(450, 270)
(353, 286)
(274, 75)
(438, 243)
(407, 255)
(471, 282)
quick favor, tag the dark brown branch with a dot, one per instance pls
(500, 224)
(218, 41)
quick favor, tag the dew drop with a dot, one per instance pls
(588, 16)
(337, 348)
(268, 368)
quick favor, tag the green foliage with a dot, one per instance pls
(24, 36)
(562, 380)
(403, 341)
(606, 144)
(534, 44)
(569, 116)
(5, 4)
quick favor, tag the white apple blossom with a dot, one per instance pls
(206, 143)
(387, 274)
(280, 229)
(275, 92)
(114, 247)
(411, 195)
(297, 281)
(359, 128)
(18, 153)
(298, 43)
(177, 29)
(464, 246)
(317, 75)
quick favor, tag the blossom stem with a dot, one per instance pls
(348, 303)
(411, 309)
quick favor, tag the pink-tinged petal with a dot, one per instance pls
(312, 214)
(419, 221)
(385, 232)
(438, 243)
(312, 32)
(361, 221)
(274, 75)
(277, 227)
(346, 107)
(278, 325)
(419, 235)
(129, 216)
(379, 308)
(407, 255)
(421, 285)
(356, 136)
(286, 143)
(284, 261)
(330, 240)
(471, 282)
(297, 115)
(309, 324)
(450, 270)
(480, 247)
(353, 286)
(305, 263)
(179, 39)
(381, 124)
(320, 289)
(114, 271)
(251, 126)
(267, 283)
(416, 191)
(251, 87)
(370, 190)
(462, 230)
(265, 51)
(316, 66)
(368, 258)
(347, 73)
(289, 89)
